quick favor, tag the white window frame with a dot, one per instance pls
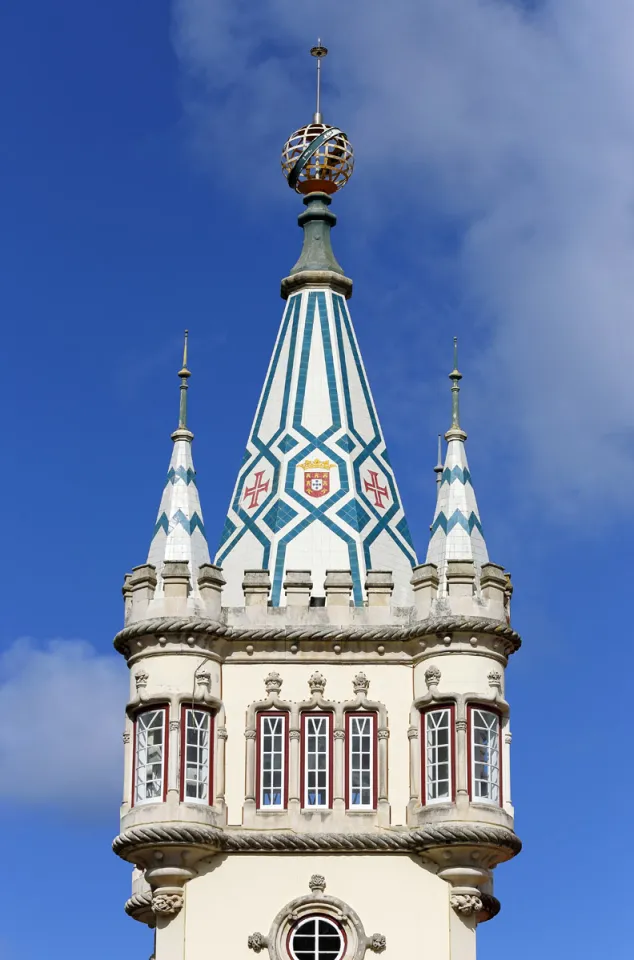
(281, 732)
(432, 748)
(352, 718)
(203, 764)
(309, 758)
(144, 722)
(491, 765)
(316, 953)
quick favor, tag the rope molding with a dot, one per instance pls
(388, 632)
(239, 841)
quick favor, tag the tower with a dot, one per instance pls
(317, 738)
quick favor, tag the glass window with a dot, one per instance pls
(149, 774)
(485, 756)
(272, 761)
(317, 938)
(361, 761)
(438, 759)
(197, 727)
(317, 760)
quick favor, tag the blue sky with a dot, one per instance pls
(140, 193)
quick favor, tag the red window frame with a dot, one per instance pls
(488, 709)
(331, 747)
(258, 761)
(212, 743)
(166, 749)
(375, 759)
(452, 746)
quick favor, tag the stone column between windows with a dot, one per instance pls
(383, 735)
(460, 765)
(250, 768)
(294, 769)
(505, 753)
(173, 761)
(339, 768)
(219, 790)
(414, 764)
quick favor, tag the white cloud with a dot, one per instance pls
(63, 709)
(512, 118)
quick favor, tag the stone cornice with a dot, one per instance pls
(316, 278)
(420, 840)
(433, 626)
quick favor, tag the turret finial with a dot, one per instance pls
(455, 431)
(438, 469)
(319, 52)
(184, 374)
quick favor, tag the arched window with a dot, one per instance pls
(272, 765)
(438, 754)
(150, 756)
(316, 938)
(196, 753)
(485, 760)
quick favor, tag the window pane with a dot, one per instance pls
(316, 939)
(438, 745)
(272, 760)
(316, 760)
(149, 773)
(361, 761)
(485, 768)
(197, 766)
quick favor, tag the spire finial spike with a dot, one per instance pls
(319, 52)
(184, 374)
(438, 469)
(455, 376)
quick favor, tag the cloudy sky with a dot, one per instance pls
(493, 198)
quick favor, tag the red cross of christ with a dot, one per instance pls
(255, 491)
(372, 486)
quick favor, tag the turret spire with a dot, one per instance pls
(316, 485)
(179, 533)
(184, 374)
(456, 533)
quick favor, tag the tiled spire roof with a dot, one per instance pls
(179, 533)
(316, 490)
(456, 533)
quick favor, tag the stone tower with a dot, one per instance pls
(317, 738)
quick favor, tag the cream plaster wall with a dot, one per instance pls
(395, 896)
(460, 673)
(391, 684)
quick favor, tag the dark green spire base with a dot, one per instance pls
(317, 263)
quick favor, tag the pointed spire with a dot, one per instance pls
(456, 533)
(184, 374)
(179, 533)
(455, 431)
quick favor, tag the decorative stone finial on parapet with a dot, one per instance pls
(256, 586)
(175, 576)
(493, 584)
(379, 585)
(142, 584)
(425, 583)
(210, 584)
(298, 586)
(338, 588)
(461, 585)
(126, 590)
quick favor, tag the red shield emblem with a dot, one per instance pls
(316, 483)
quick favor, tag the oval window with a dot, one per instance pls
(317, 938)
